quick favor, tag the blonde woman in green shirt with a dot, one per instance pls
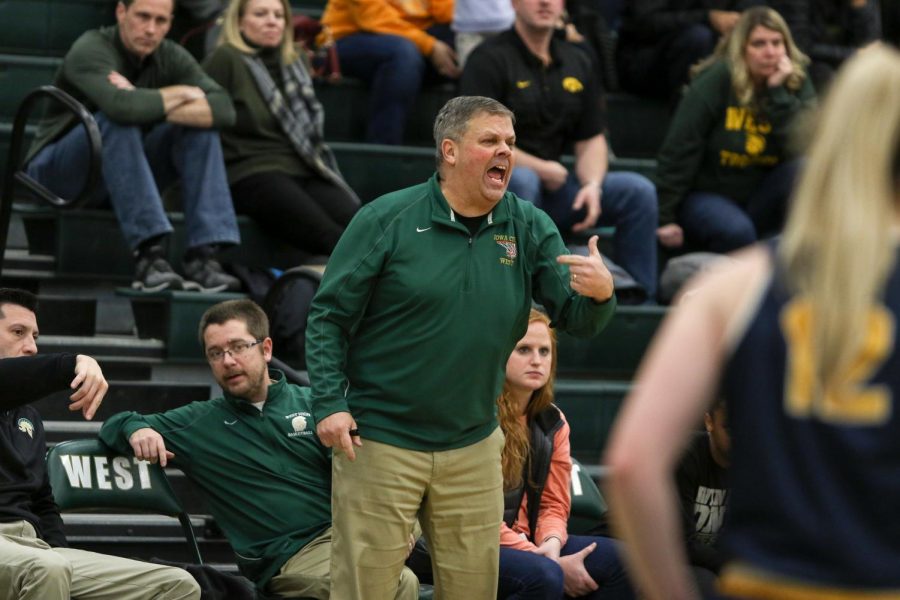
(280, 170)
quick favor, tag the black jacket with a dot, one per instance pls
(25, 492)
(537, 468)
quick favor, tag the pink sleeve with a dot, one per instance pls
(556, 500)
(509, 538)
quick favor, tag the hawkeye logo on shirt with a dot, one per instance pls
(523, 83)
(300, 422)
(572, 85)
(25, 426)
(508, 243)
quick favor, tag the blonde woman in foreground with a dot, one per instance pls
(800, 336)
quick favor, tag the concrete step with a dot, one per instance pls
(104, 345)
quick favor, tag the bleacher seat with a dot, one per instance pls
(588, 504)
(87, 476)
(617, 351)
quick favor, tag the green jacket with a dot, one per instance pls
(256, 143)
(265, 475)
(98, 52)
(415, 318)
(716, 145)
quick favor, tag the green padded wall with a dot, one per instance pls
(48, 27)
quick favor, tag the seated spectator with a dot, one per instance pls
(659, 40)
(37, 562)
(476, 20)
(254, 455)
(392, 45)
(157, 112)
(829, 31)
(723, 177)
(538, 558)
(280, 170)
(552, 88)
(702, 482)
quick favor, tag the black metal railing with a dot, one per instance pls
(15, 175)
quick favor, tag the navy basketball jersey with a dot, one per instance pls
(815, 500)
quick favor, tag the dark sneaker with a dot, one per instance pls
(206, 275)
(154, 274)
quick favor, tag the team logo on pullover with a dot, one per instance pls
(508, 243)
(300, 422)
(25, 426)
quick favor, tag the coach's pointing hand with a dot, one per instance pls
(588, 275)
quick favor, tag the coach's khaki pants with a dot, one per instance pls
(308, 574)
(32, 570)
(457, 495)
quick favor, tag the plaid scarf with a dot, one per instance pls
(301, 116)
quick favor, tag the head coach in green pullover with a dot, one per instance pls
(422, 302)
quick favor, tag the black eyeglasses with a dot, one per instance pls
(234, 349)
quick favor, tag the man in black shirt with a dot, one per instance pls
(36, 562)
(702, 481)
(553, 90)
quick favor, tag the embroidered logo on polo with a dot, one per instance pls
(508, 243)
(572, 85)
(523, 83)
(25, 426)
(300, 422)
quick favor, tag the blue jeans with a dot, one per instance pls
(716, 223)
(528, 576)
(628, 202)
(136, 166)
(393, 68)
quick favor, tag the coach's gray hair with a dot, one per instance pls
(453, 119)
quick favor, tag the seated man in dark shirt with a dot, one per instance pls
(552, 88)
(702, 481)
(37, 564)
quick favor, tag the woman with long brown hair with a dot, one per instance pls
(538, 559)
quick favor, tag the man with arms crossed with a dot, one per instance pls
(156, 110)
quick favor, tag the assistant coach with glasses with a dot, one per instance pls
(255, 456)
(424, 298)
